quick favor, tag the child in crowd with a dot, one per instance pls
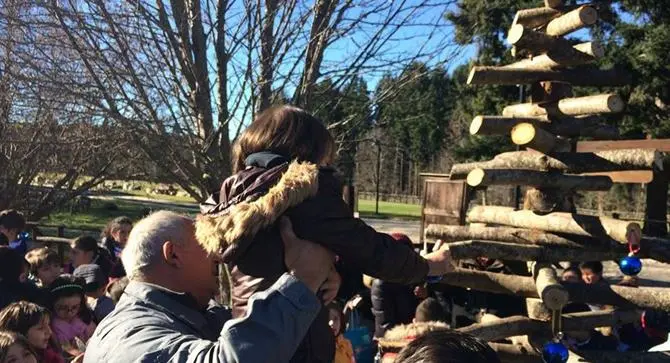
(31, 321)
(571, 274)
(96, 283)
(84, 250)
(11, 224)
(344, 352)
(13, 269)
(429, 310)
(115, 289)
(73, 321)
(113, 239)
(447, 346)
(14, 348)
(44, 266)
(592, 272)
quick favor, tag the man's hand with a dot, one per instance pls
(308, 261)
(329, 288)
(439, 261)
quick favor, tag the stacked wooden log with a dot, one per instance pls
(548, 230)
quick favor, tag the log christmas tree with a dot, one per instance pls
(548, 230)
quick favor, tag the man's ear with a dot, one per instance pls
(171, 254)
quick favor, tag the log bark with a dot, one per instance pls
(627, 297)
(529, 72)
(536, 17)
(527, 135)
(533, 41)
(606, 103)
(537, 310)
(551, 292)
(519, 236)
(513, 252)
(581, 54)
(558, 222)
(590, 126)
(554, 4)
(512, 353)
(521, 325)
(572, 21)
(573, 163)
(488, 177)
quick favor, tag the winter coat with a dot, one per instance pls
(153, 324)
(241, 221)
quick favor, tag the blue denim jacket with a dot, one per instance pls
(150, 325)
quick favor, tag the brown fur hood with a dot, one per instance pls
(251, 201)
(401, 335)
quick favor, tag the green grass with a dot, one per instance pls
(99, 214)
(172, 198)
(366, 208)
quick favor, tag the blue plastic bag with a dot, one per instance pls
(361, 339)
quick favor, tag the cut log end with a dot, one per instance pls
(594, 49)
(555, 297)
(515, 33)
(588, 15)
(476, 124)
(523, 134)
(615, 103)
(475, 177)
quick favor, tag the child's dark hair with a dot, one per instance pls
(67, 285)
(11, 264)
(114, 225)
(11, 219)
(86, 243)
(288, 131)
(430, 310)
(21, 316)
(447, 346)
(595, 266)
(573, 269)
(41, 257)
(8, 338)
(337, 307)
(116, 289)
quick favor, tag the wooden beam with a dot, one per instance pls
(572, 21)
(551, 292)
(521, 325)
(627, 297)
(605, 103)
(528, 135)
(572, 163)
(557, 222)
(581, 54)
(536, 17)
(662, 145)
(513, 252)
(515, 74)
(590, 126)
(488, 177)
(629, 177)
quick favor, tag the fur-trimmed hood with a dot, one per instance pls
(251, 201)
(399, 336)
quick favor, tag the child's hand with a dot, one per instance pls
(440, 261)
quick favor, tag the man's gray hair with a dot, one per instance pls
(145, 243)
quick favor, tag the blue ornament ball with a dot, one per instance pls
(630, 265)
(554, 353)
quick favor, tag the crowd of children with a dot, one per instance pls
(47, 315)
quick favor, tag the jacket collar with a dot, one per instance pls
(181, 305)
(265, 159)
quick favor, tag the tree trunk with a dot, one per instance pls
(513, 252)
(483, 178)
(521, 325)
(527, 135)
(527, 72)
(521, 236)
(551, 292)
(267, 58)
(573, 163)
(628, 297)
(589, 126)
(536, 17)
(607, 103)
(558, 222)
(572, 21)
